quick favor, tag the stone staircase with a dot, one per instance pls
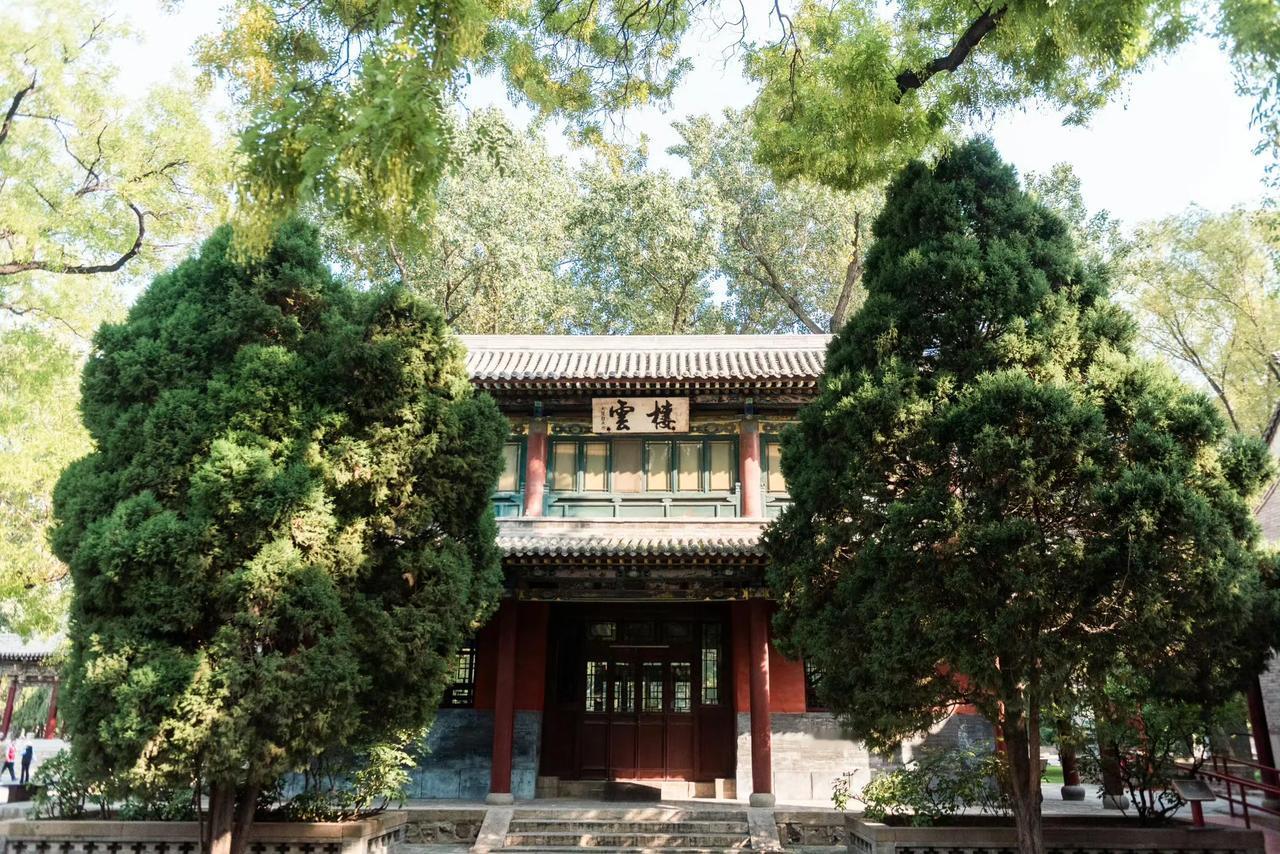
(666, 829)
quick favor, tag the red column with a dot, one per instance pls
(51, 723)
(10, 699)
(504, 707)
(535, 467)
(1262, 737)
(761, 732)
(749, 468)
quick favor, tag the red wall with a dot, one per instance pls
(531, 657)
(786, 677)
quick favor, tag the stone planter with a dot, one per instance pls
(374, 835)
(1061, 836)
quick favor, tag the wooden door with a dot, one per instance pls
(629, 698)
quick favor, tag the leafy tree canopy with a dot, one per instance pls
(348, 103)
(91, 181)
(987, 440)
(854, 91)
(530, 243)
(283, 535)
(100, 187)
(1206, 290)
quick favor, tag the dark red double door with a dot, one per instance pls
(639, 694)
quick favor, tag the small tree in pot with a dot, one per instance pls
(283, 536)
(992, 484)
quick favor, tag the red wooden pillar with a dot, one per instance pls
(761, 731)
(504, 707)
(9, 701)
(1262, 739)
(51, 723)
(535, 467)
(749, 468)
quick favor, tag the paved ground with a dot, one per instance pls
(1215, 813)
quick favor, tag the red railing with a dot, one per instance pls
(1234, 789)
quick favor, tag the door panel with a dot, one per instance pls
(631, 697)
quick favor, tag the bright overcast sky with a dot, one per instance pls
(1181, 136)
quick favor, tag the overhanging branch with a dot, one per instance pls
(969, 39)
(14, 267)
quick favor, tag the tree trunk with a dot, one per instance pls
(222, 805)
(1022, 745)
(245, 809)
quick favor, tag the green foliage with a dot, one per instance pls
(349, 103)
(340, 786)
(641, 254)
(891, 70)
(790, 253)
(524, 242)
(489, 258)
(92, 181)
(986, 439)
(31, 711)
(1206, 290)
(63, 791)
(283, 535)
(1144, 737)
(933, 786)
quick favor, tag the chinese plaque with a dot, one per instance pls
(640, 415)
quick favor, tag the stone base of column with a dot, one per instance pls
(1073, 793)
(1115, 802)
(762, 799)
(499, 798)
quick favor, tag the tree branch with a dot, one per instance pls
(773, 283)
(852, 275)
(13, 108)
(15, 267)
(969, 39)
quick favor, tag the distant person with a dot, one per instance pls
(27, 753)
(10, 757)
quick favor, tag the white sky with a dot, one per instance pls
(1180, 136)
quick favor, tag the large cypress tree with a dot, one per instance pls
(283, 535)
(991, 483)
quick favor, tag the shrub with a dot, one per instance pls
(1149, 743)
(933, 786)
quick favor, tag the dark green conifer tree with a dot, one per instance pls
(991, 483)
(283, 536)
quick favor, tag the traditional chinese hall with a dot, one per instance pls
(633, 641)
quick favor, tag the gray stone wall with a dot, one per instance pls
(810, 751)
(457, 760)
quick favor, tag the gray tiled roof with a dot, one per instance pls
(14, 648)
(628, 537)
(684, 358)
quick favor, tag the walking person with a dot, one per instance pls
(10, 757)
(27, 753)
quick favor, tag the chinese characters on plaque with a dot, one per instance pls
(640, 415)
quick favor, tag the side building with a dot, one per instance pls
(633, 640)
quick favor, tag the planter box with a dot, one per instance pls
(1061, 836)
(375, 835)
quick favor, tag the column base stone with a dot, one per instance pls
(1073, 793)
(499, 798)
(1115, 802)
(762, 799)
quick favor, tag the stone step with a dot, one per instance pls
(607, 825)
(653, 838)
(657, 813)
(548, 850)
